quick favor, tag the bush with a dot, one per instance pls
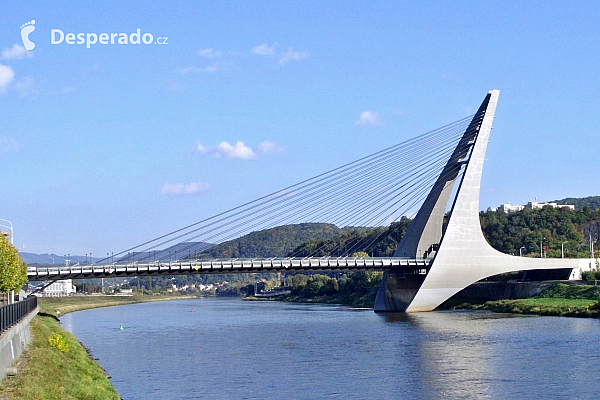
(57, 340)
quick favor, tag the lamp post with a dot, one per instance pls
(541, 247)
(521, 251)
(9, 226)
(562, 249)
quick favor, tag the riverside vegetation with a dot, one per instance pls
(559, 300)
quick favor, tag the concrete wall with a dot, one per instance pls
(13, 342)
(500, 290)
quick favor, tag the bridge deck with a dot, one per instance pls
(224, 266)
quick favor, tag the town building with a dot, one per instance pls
(533, 205)
(59, 289)
(508, 208)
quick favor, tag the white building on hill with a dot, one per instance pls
(533, 205)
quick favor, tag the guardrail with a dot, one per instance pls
(11, 314)
(223, 266)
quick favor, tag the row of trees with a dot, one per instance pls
(352, 288)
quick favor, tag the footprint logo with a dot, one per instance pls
(26, 29)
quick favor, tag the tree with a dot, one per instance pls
(13, 271)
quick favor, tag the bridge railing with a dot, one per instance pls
(229, 265)
(12, 314)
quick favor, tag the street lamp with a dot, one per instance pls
(562, 249)
(10, 226)
(541, 247)
(521, 251)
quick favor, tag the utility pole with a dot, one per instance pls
(10, 226)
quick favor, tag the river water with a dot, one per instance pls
(234, 349)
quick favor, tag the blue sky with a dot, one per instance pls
(108, 146)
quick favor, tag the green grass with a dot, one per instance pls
(46, 372)
(559, 300)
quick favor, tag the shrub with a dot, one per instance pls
(57, 340)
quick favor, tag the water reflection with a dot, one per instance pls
(469, 354)
(234, 349)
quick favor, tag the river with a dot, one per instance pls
(234, 349)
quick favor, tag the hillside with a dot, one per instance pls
(592, 202)
(508, 233)
(378, 242)
(274, 242)
(33, 258)
(553, 227)
(172, 253)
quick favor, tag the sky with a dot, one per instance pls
(106, 147)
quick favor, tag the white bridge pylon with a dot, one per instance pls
(461, 255)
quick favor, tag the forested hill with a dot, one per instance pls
(508, 232)
(378, 242)
(274, 242)
(592, 202)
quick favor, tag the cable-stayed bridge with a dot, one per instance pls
(440, 253)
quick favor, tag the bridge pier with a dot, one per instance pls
(397, 290)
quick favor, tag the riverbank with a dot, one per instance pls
(46, 372)
(563, 300)
(559, 299)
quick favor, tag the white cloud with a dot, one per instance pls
(201, 149)
(8, 144)
(16, 52)
(210, 53)
(293, 55)
(6, 76)
(268, 147)
(369, 118)
(180, 188)
(209, 69)
(238, 150)
(264, 49)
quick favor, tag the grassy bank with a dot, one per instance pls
(559, 300)
(62, 305)
(46, 372)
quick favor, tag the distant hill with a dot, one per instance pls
(32, 258)
(593, 202)
(274, 242)
(175, 252)
(377, 242)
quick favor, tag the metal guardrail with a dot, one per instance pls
(221, 266)
(12, 314)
